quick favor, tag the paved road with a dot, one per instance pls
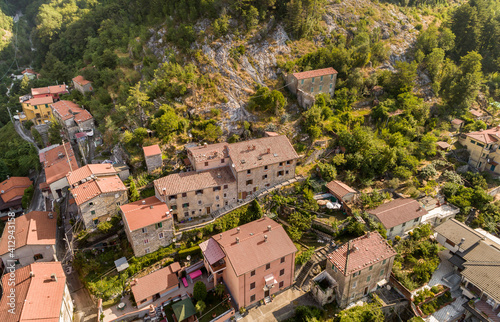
(23, 135)
(38, 201)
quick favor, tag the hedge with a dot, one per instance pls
(195, 250)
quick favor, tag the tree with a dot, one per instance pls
(212, 132)
(427, 145)
(268, 101)
(55, 132)
(327, 171)
(199, 291)
(132, 192)
(200, 306)
(27, 197)
(220, 289)
(364, 313)
(403, 80)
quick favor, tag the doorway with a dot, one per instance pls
(156, 296)
(366, 291)
(208, 210)
(266, 293)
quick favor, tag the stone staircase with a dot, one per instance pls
(318, 258)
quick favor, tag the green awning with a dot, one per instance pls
(183, 309)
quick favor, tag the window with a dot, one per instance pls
(222, 160)
(252, 298)
(320, 88)
(249, 171)
(185, 205)
(282, 272)
(382, 272)
(264, 177)
(199, 202)
(287, 172)
(289, 162)
(282, 260)
(226, 203)
(334, 268)
(217, 197)
(225, 186)
(280, 173)
(368, 278)
(143, 301)
(331, 86)
(252, 285)
(249, 182)
(281, 284)
(186, 214)
(92, 212)
(206, 164)
(371, 267)
(173, 207)
(174, 197)
(91, 203)
(16, 261)
(268, 266)
(281, 164)
(96, 221)
(118, 203)
(355, 284)
(321, 79)
(217, 188)
(158, 225)
(384, 261)
(147, 251)
(36, 107)
(160, 236)
(252, 273)
(312, 89)
(416, 220)
(38, 256)
(302, 82)
(184, 195)
(356, 274)
(146, 241)
(266, 167)
(392, 229)
(224, 195)
(404, 224)
(331, 76)
(312, 81)
(199, 192)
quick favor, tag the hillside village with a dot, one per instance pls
(281, 161)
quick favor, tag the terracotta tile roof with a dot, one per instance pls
(191, 181)
(254, 153)
(151, 150)
(67, 110)
(40, 91)
(88, 170)
(486, 136)
(29, 71)
(212, 251)
(56, 162)
(398, 211)
(364, 251)
(269, 133)
(91, 189)
(23, 281)
(457, 121)
(40, 101)
(156, 282)
(34, 228)
(252, 251)
(443, 145)
(482, 268)
(58, 89)
(44, 298)
(476, 113)
(208, 152)
(455, 230)
(13, 188)
(145, 212)
(315, 73)
(339, 188)
(81, 80)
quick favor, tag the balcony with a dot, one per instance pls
(217, 266)
(483, 311)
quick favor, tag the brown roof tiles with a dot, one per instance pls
(56, 162)
(81, 80)
(89, 170)
(339, 189)
(315, 73)
(156, 282)
(91, 189)
(398, 211)
(208, 152)
(145, 212)
(151, 150)
(67, 110)
(13, 188)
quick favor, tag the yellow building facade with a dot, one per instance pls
(37, 110)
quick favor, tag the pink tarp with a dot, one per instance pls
(185, 282)
(195, 274)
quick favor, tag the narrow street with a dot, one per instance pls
(23, 135)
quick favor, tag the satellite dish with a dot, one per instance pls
(188, 257)
(173, 240)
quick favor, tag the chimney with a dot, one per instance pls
(220, 237)
(368, 234)
(205, 144)
(144, 202)
(238, 229)
(268, 150)
(151, 207)
(32, 274)
(53, 277)
(253, 147)
(237, 240)
(265, 238)
(461, 242)
(269, 228)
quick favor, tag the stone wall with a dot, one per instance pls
(154, 162)
(137, 238)
(101, 207)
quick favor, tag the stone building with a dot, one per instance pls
(58, 161)
(194, 194)
(359, 266)
(99, 198)
(148, 225)
(482, 145)
(255, 261)
(72, 118)
(82, 85)
(152, 155)
(306, 85)
(398, 216)
(35, 240)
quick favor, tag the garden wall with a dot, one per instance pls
(403, 290)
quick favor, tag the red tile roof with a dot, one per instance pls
(252, 251)
(67, 110)
(212, 251)
(339, 188)
(486, 136)
(81, 80)
(260, 152)
(40, 91)
(208, 152)
(13, 188)
(190, 181)
(40, 101)
(56, 162)
(29, 71)
(315, 73)
(58, 89)
(364, 251)
(23, 281)
(145, 212)
(398, 211)
(156, 282)
(457, 121)
(34, 228)
(476, 113)
(151, 150)
(91, 189)
(89, 170)
(443, 145)
(44, 298)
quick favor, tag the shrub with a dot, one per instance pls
(435, 289)
(104, 227)
(303, 257)
(200, 306)
(27, 197)
(189, 251)
(199, 291)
